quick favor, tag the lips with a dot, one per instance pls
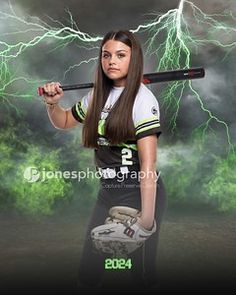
(112, 70)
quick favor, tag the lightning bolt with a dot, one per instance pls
(175, 52)
(170, 39)
(32, 34)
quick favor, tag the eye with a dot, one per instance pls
(105, 55)
(121, 55)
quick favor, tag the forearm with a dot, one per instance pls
(148, 194)
(57, 115)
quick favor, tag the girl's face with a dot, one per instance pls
(115, 61)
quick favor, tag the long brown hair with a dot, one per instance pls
(119, 123)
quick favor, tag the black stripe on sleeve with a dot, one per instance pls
(156, 130)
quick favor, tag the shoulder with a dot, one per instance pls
(144, 90)
(145, 96)
(145, 102)
(88, 98)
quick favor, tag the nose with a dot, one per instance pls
(112, 60)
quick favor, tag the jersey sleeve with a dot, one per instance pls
(146, 115)
(79, 109)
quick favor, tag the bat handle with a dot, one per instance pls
(67, 87)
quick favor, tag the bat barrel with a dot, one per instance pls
(174, 75)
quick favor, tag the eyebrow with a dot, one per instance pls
(116, 51)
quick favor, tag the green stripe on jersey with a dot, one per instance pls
(129, 146)
(80, 111)
(101, 127)
(153, 118)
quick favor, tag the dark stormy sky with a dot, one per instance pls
(96, 17)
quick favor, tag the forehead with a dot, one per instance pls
(113, 46)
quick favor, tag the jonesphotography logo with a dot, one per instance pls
(33, 174)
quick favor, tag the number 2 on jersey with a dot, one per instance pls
(126, 155)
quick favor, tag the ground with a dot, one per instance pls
(197, 253)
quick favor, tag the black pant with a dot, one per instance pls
(144, 268)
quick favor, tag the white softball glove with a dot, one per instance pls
(121, 234)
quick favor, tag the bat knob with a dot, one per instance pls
(40, 91)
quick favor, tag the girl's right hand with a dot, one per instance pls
(52, 92)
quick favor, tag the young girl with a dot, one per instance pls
(120, 119)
